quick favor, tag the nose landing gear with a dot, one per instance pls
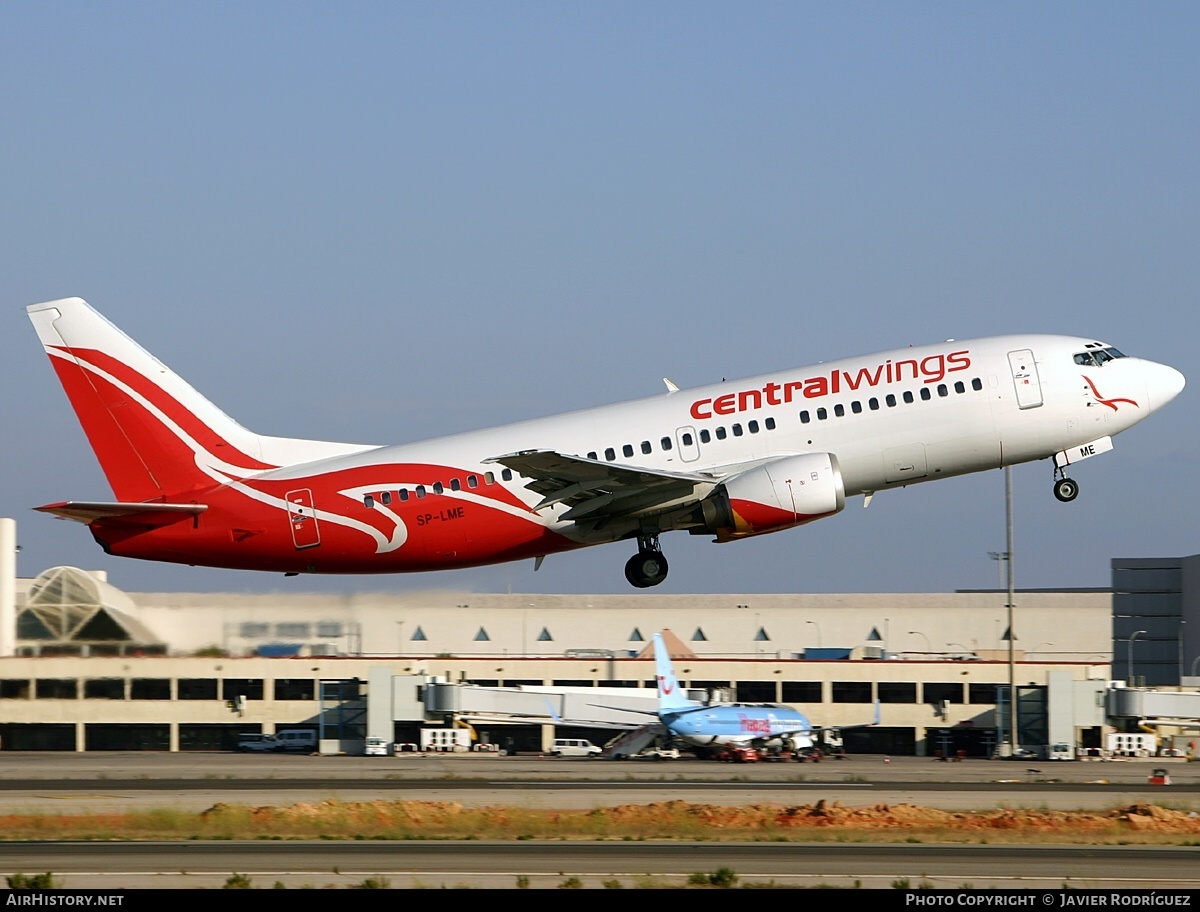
(648, 567)
(1065, 489)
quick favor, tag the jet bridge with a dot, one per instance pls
(427, 698)
(581, 707)
(1155, 708)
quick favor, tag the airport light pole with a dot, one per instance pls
(1012, 633)
(818, 626)
(928, 648)
(8, 586)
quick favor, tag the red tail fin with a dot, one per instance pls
(156, 438)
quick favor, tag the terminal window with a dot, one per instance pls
(295, 689)
(197, 688)
(150, 689)
(56, 688)
(851, 691)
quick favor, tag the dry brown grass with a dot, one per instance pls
(675, 820)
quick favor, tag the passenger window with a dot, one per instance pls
(472, 481)
(942, 391)
(489, 478)
(925, 394)
(455, 485)
(960, 387)
(592, 455)
(437, 487)
(770, 424)
(369, 502)
(627, 450)
(506, 474)
(822, 414)
(646, 448)
(856, 407)
(890, 400)
(687, 441)
(705, 437)
(403, 492)
(804, 419)
(610, 454)
(839, 410)
(752, 426)
(977, 384)
(666, 441)
(420, 491)
(737, 430)
(908, 397)
(721, 433)
(385, 498)
(873, 404)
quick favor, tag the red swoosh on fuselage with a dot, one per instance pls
(1111, 403)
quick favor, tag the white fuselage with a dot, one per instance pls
(917, 426)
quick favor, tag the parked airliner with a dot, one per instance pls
(714, 725)
(730, 460)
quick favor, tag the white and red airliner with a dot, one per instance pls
(729, 460)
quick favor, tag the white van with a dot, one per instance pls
(574, 747)
(253, 742)
(297, 739)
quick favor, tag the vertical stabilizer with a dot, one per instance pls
(670, 697)
(154, 435)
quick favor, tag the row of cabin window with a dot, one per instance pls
(403, 494)
(890, 400)
(686, 439)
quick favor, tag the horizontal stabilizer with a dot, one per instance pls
(142, 514)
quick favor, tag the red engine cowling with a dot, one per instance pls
(780, 494)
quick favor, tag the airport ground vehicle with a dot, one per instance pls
(658, 753)
(301, 740)
(574, 747)
(253, 742)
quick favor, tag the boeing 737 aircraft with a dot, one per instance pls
(729, 460)
(728, 725)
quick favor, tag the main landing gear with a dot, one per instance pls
(1065, 489)
(648, 567)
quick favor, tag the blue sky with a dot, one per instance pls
(382, 222)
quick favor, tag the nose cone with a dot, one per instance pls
(1163, 383)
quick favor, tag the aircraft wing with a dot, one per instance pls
(595, 490)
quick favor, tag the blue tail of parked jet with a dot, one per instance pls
(670, 698)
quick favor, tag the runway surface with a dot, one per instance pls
(549, 864)
(72, 783)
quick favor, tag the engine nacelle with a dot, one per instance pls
(780, 494)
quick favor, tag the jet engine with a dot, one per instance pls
(779, 494)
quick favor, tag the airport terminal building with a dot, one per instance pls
(95, 668)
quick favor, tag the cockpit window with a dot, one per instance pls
(1097, 357)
